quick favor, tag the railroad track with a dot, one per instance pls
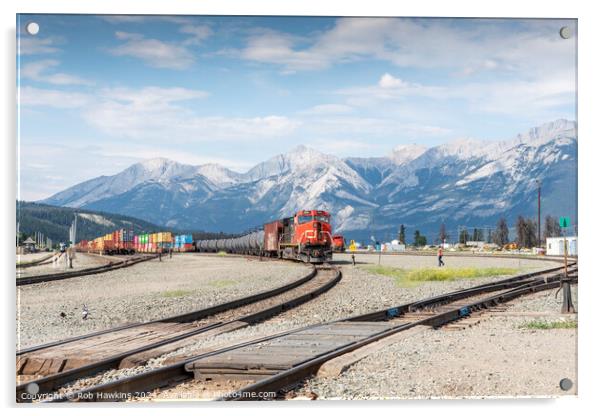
(111, 265)
(272, 363)
(44, 260)
(55, 364)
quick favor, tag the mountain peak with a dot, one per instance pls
(405, 153)
(156, 163)
(549, 131)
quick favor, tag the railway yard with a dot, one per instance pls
(206, 326)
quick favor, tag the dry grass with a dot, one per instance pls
(405, 278)
(569, 324)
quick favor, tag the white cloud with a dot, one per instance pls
(537, 98)
(390, 88)
(389, 81)
(156, 113)
(137, 18)
(529, 46)
(135, 152)
(199, 33)
(149, 96)
(34, 97)
(153, 52)
(324, 109)
(30, 45)
(375, 127)
(38, 71)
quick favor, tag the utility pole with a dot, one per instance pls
(538, 213)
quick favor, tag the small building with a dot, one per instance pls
(555, 246)
(29, 245)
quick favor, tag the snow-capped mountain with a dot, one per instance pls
(464, 182)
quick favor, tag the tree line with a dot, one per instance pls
(526, 233)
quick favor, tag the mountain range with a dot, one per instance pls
(466, 182)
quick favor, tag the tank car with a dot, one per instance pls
(306, 236)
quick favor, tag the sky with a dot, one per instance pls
(99, 93)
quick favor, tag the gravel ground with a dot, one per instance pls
(493, 358)
(361, 292)
(358, 292)
(146, 291)
(412, 262)
(25, 258)
(81, 261)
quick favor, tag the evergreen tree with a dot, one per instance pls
(521, 231)
(530, 233)
(402, 234)
(464, 236)
(419, 240)
(442, 233)
(551, 227)
(500, 236)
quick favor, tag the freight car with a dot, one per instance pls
(306, 237)
(338, 243)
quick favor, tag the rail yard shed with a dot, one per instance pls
(555, 246)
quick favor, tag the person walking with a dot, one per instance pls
(353, 259)
(440, 256)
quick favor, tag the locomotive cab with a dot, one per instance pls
(313, 236)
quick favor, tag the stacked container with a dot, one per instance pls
(164, 241)
(108, 243)
(183, 243)
(186, 242)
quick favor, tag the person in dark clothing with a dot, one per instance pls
(353, 259)
(440, 256)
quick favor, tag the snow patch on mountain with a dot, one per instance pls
(98, 219)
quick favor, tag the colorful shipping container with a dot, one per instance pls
(124, 241)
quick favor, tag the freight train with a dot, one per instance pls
(306, 237)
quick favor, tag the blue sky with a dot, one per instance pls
(98, 93)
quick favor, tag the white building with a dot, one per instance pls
(394, 246)
(555, 246)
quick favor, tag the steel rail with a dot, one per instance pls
(188, 316)
(35, 262)
(30, 280)
(291, 376)
(47, 384)
(161, 377)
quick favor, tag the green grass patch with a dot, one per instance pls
(222, 283)
(413, 277)
(570, 324)
(222, 253)
(175, 293)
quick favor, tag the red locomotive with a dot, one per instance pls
(306, 237)
(338, 243)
